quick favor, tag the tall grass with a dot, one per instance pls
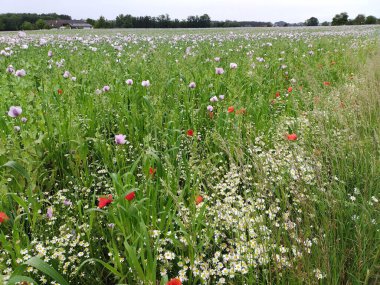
(350, 253)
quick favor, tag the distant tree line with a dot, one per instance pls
(164, 21)
(161, 21)
(14, 22)
(342, 19)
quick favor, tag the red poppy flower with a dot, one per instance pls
(290, 89)
(190, 133)
(130, 196)
(152, 171)
(3, 217)
(230, 109)
(277, 94)
(104, 201)
(198, 199)
(60, 91)
(326, 83)
(174, 281)
(292, 137)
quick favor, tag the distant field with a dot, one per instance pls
(213, 156)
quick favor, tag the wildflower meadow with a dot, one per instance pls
(230, 156)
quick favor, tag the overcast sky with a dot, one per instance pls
(264, 10)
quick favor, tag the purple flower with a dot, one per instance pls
(49, 213)
(145, 83)
(20, 73)
(129, 82)
(210, 108)
(17, 128)
(106, 88)
(14, 111)
(233, 65)
(192, 85)
(221, 97)
(50, 53)
(73, 78)
(21, 34)
(214, 99)
(66, 74)
(219, 70)
(10, 69)
(120, 139)
(67, 202)
(24, 120)
(217, 59)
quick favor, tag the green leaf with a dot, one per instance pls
(117, 183)
(42, 266)
(19, 201)
(135, 164)
(96, 210)
(148, 104)
(3, 125)
(18, 168)
(19, 278)
(164, 280)
(134, 262)
(106, 265)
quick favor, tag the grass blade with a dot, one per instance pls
(45, 268)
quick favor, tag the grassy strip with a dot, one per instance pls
(349, 212)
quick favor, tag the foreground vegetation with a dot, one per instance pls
(195, 157)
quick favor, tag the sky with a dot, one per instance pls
(291, 11)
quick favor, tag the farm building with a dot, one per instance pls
(68, 24)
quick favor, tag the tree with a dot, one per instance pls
(176, 23)
(91, 21)
(15, 21)
(312, 22)
(163, 21)
(101, 23)
(359, 20)
(205, 21)
(119, 22)
(128, 22)
(370, 20)
(340, 19)
(192, 21)
(41, 24)
(325, 23)
(27, 26)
